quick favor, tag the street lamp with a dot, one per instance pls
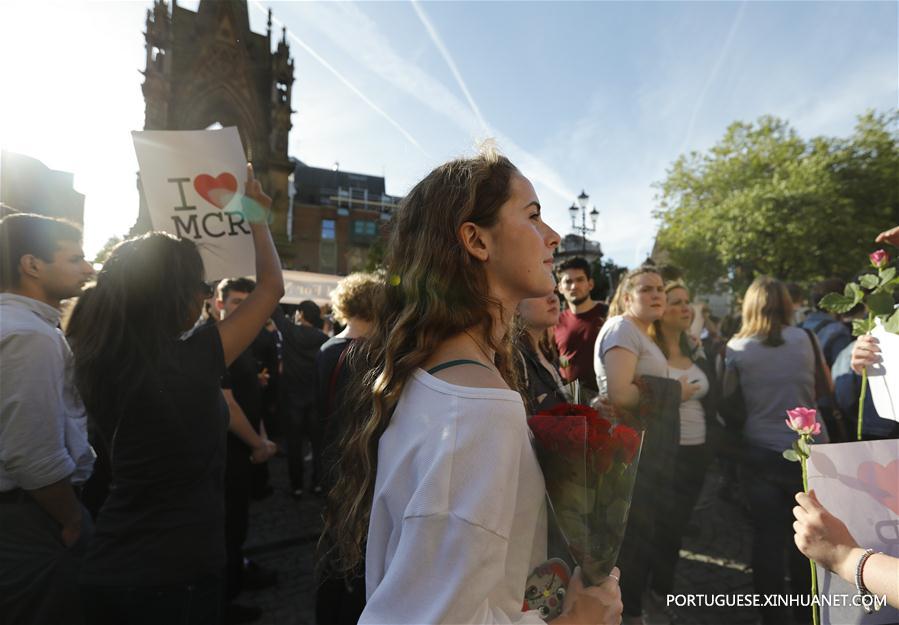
(583, 228)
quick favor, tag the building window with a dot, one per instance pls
(364, 228)
(328, 230)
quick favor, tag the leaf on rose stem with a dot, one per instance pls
(836, 303)
(860, 327)
(880, 303)
(886, 275)
(791, 455)
(869, 281)
(803, 447)
(854, 292)
(892, 324)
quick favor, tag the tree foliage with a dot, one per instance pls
(107, 248)
(765, 201)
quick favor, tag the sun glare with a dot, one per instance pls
(65, 102)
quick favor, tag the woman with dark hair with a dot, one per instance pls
(538, 365)
(438, 478)
(155, 399)
(772, 364)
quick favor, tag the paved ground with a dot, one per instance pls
(283, 534)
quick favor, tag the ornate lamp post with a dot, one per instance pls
(583, 228)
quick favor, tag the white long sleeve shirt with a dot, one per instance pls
(458, 519)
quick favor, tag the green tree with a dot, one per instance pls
(106, 250)
(765, 201)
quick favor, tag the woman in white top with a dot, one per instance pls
(624, 351)
(686, 359)
(439, 479)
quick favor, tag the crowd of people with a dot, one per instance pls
(134, 434)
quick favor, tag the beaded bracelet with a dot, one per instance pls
(859, 582)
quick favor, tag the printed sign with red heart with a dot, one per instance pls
(217, 191)
(884, 480)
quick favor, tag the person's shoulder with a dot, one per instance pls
(618, 325)
(334, 344)
(793, 334)
(34, 342)
(566, 316)
(599, 311)
(740, 343)
(465, 383)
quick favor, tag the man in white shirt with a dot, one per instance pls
(44, 453)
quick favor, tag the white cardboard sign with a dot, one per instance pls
(859, 483)
(192, 181)
(883, 377)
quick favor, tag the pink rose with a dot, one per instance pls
(803, 421)
(879, 259)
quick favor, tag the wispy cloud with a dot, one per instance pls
(352, 87)
(351, 30)
(447, 57)
(716, 68)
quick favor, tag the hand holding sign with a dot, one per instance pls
(190, 183)
(256, 204)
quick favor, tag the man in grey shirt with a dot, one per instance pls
(44, 453)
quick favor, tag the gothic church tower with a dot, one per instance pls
(208, 67)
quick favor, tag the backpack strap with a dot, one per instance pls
(454, 363)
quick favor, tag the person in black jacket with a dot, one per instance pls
(339, 596)
(538, 362)
(697, 423)
(301, 345)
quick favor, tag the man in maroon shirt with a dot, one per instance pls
(579, 324)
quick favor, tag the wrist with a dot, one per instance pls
(847, 561)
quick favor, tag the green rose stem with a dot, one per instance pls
(861, 397)
(802, 460)
(861, 401)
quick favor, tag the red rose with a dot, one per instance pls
(626, 442)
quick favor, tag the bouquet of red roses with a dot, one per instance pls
(589, 463)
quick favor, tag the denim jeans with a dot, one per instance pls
(771, 483)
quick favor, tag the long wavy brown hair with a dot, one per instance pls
(434, 290)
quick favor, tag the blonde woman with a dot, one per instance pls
(625, 351)
(686, 358)
(773, 364)
(439, 479)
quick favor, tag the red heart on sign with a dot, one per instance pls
(884, 479)
(217, 191)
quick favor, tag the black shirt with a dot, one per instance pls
(330, 398)
(163, 521)
(301, 345)
(242, 378)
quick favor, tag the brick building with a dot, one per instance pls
(334, 218)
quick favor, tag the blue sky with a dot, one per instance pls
(596, 95)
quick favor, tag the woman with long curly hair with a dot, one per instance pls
(438, 479)
(154, 396)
